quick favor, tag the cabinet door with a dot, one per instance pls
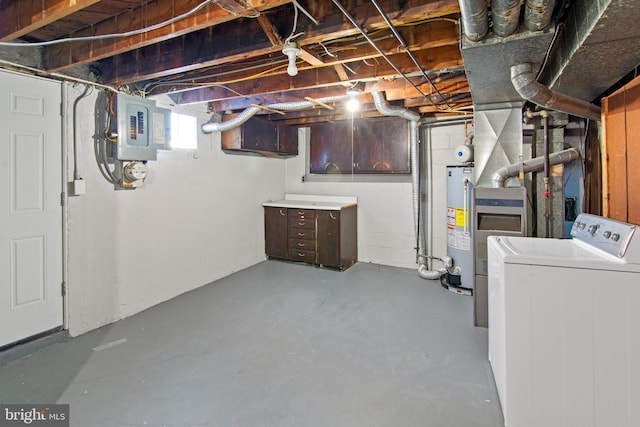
(287, 140)
(382, 145)
(276, 240)
(260, 135)
(328, 238)
(331, 148)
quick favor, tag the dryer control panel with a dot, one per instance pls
(609, 235)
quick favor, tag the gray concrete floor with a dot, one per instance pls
(277, 344)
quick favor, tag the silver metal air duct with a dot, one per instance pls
(524, 82)
(475, 20)
(533, 165)
(537, 14)
(506, 14)
(252, 111)
(388, 110)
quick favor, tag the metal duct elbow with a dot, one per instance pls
(232, 123)
(475, 19)
(537, 14)
(524, 82)
(388, 110)
(533, 165)
(506, 14)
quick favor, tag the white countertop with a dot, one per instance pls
(311, 201)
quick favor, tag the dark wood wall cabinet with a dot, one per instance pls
(262, 137)
(320, 230)
(361, 146)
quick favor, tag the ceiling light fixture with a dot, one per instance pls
(354, 92)
(292, 51)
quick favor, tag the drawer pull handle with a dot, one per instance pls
(302, 254)
(302, 245)
(282, 212)
(301, 223)
(300, 212)
(302, 234)
(331, 215)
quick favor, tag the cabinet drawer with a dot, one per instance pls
(302, 213)
(302, 223)
(307, 245)
(302, 255)
(302, 233)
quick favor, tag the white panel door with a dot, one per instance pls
(30, 211)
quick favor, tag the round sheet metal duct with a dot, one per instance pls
(537, 14)
(533, 165)
(506, 14)
(525, 83)
(475, 20)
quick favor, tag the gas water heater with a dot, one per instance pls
(460, 277)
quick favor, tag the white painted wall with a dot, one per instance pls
(385, 212)
(197, 218)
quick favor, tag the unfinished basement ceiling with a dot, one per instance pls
(228, 53)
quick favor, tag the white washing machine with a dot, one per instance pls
(563, 343)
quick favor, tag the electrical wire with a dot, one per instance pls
(115, 35)
(87, 90)
(384, 55)
(408, 50)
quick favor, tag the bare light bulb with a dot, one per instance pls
(292, 51)
(353, 104)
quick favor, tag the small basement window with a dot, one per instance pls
(184, 132)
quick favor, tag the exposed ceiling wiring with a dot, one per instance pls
(384, 55)
(111, 36)
(407, 50)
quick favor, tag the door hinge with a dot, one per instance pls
(63, 289)
(62, 199)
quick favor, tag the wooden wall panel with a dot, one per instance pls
(616, 150)
(622, 147)
(633, 153)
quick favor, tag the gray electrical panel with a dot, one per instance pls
(143, 128)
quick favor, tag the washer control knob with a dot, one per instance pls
(593, 229)
(615, 237)
(606, 234)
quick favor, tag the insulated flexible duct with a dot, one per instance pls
(388, 110)
(524, 82)
(533, 165)
(252, 111)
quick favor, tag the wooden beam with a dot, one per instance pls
(224, 45)
(310, 57)
(270, 30)
(170, 57)
(341, 72)
(440, 58)
(66, 55)
(20, 17)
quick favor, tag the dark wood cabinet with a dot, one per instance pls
(275, 232)
(261, 136)
(323, 237)
(362, 146)
(383, 146)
